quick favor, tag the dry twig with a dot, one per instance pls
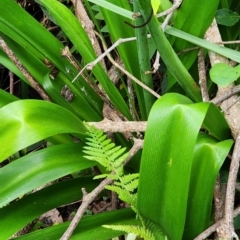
(202, 76)
(11, 88)
(233, 91)
(107, 125)
(88, 25)
(175, 5)
(106, 53)
(218, 200)
(225, 229)
(23, 70)
(212, 229)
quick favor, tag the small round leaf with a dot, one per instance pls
(223, 74)
(227, 17)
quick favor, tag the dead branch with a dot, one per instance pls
(202, 76)
(88, 25)
(106, 53)
(225, 229)
(23, 70)
(212, 229)
(175, 5)
(226, 95)
(107, 125)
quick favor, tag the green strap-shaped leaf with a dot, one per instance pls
(6, 98)
(33, 205)
(86, 109)
(76, 33)
(89, 228)
(209, 155)
(168, 55)
(27, 32)
(38, 168)
(195, 21)
(166, 163)
(227, 52)
(25, 122)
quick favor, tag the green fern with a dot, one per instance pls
(139, 231)
(103, 151)
(100, 149)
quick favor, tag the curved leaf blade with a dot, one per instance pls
(89, 227)
(26, 122)
(226, 52)
(76, 33)
(193, 20)
(33, 205)
(209, 156)
(38, 168)
(165, 172)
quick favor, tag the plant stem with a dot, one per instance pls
(168, 55)
(144, 60)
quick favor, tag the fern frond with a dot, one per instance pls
(117, 153)
(106, 175)
(120, 160)
(102, 138)
(124, 195)
(110, 147)
(102, 161)
(112, 150)
(130, 177)
(100, 176)
(139, 231)
(100, 149)
(148, 224)
(130, 181)
(130, 187)
(103, 151)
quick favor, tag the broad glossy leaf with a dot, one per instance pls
(127, 50)
(166, 163)
(38, 168)
(25, 122)
(216, 123)
(89, 228)
(192, 20)
(33, 205)
(168, 55)
(209, 156)
(144, 63)
(86, 108)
